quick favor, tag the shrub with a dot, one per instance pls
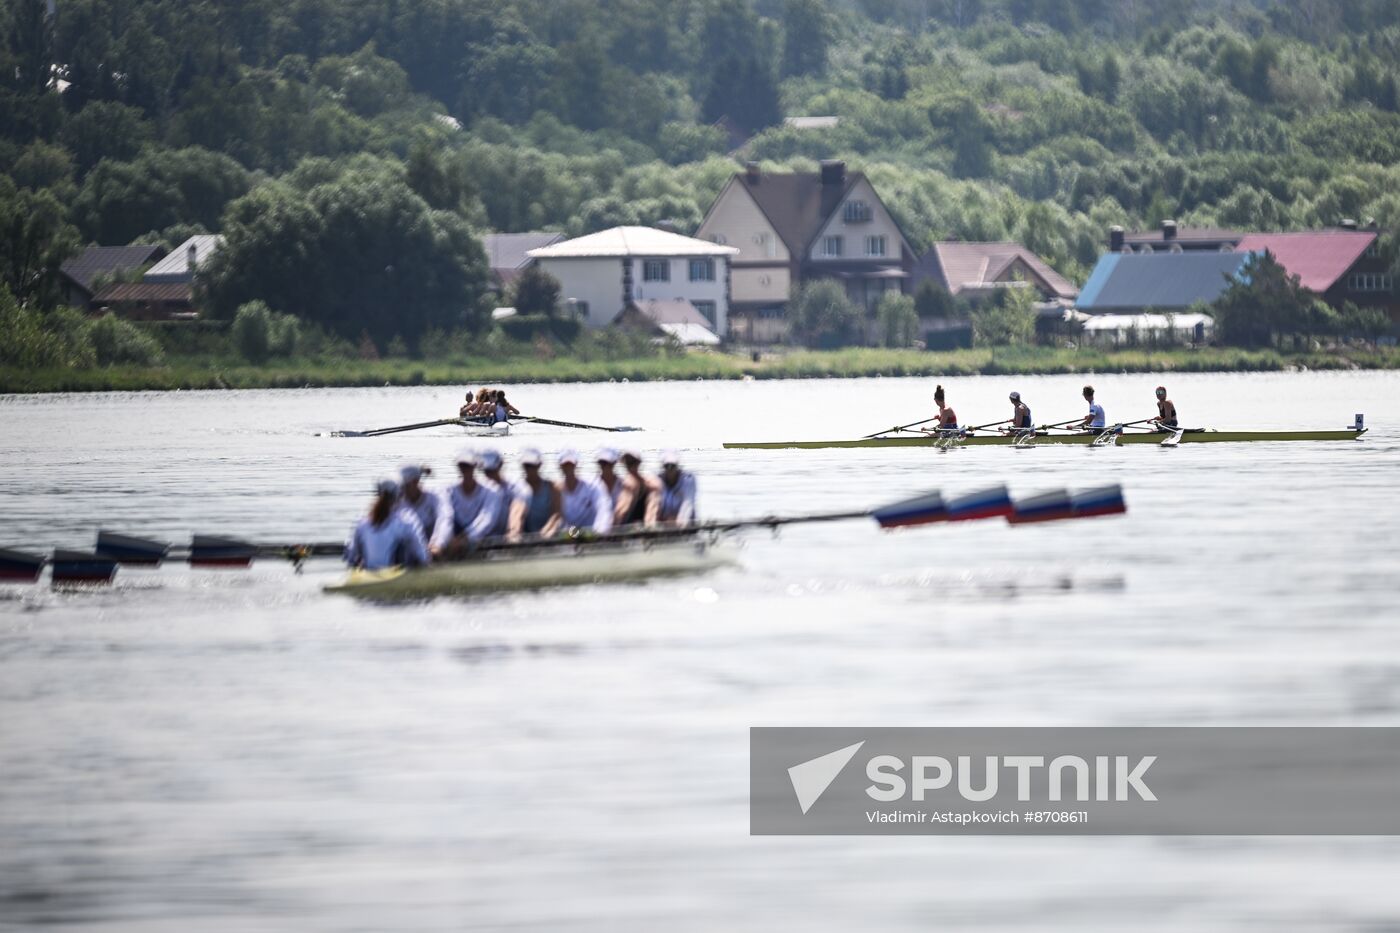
(897, 320)
(252, 332)
(33, 340)
(115, 340)
(822, 316)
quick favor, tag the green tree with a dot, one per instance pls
(537, 292)
(808, 30)
(35, 238)
(896, 320)
(1261, 302)
(359, 254)
(1007, 319)
(933, 301)
(821, 315)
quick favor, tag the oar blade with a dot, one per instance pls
(20, 566)
(1102, 500)
(85, 568)
(1045, 507)
(127, 549)
(907, 513)
(994, 502)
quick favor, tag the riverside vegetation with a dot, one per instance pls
(353, 154)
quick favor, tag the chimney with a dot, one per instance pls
(752, 172)
(833, 172)
(1347, 224)
(668, 225)
(191, 257)
(1115, 239)
(1169, 230)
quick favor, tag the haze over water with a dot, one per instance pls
(238, 751)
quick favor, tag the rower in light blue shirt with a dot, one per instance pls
(1094, 420)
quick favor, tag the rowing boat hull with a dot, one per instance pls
(526, 573)
(1002, 440)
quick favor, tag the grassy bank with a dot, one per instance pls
(218, 373)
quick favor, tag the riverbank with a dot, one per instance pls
(222, 373)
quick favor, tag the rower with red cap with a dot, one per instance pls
(1166, 411)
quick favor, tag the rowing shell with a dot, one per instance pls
(481, 427)
(1007, 440)
(610, 565)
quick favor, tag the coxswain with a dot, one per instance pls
(387, 536)
(503, 409)
(1166, 411)
(1094, 420)
(414, 498)
(583, 503)
(638, 490)
(535, 510)
(469, 509)
(1020, 414)
(673, 502)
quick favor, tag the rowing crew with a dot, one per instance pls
(1020, 421)
(410, 525)
(488, 403)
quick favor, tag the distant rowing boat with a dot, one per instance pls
(598, 564)
(1025, 439)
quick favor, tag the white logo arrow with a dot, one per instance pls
(811, 778)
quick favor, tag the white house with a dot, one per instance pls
(602, 273)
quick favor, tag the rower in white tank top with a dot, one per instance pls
(583, 503)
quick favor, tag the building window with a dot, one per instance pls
(702, 270)
(857, 212)
(875, 246)
(1369, 282)
(833, 246)
(707, 310)
(656, 270)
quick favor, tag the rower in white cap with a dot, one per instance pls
(583, 503)
(414, 498)
(536, 508)
(470, 509)
(491, 464)
(388, 536)
(612, 484)
(674, 502)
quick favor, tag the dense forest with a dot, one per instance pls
(352, 151)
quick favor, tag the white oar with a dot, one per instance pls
(1174, 439)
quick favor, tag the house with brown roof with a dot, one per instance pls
(84, 274)
(793, 227)
(976, 270)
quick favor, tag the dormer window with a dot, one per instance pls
(857, 212)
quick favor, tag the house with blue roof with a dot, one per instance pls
(1130, 296)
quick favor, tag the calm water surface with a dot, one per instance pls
(237, 751)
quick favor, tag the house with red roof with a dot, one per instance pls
(1338, 265)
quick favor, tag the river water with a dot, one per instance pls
(220, 750)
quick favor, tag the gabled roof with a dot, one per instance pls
(963, 265)
(631, 241)
(95, 261)
(508, 252)
(667, 311)
(1163, 281)
(176, 266)
(1318, 258)
(797, 204)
